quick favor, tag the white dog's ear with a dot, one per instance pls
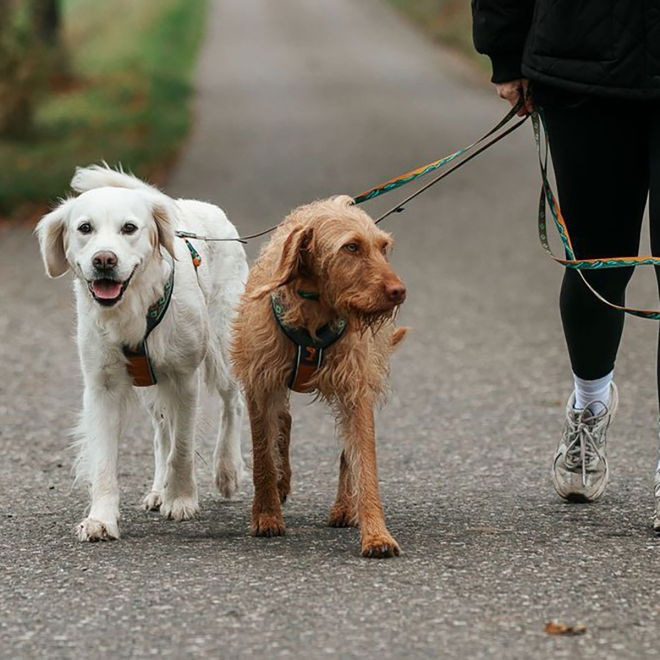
(164, 217)
(50, 232)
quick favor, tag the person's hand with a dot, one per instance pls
(513, 90)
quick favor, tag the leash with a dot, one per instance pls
(402, 179)
(412, 175)
(400, 207)
(240, 239)
(548, 199)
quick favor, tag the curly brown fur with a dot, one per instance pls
(334, 248)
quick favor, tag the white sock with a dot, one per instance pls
(593, 394)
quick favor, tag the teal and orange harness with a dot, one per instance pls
(138, 362)
(309, 350)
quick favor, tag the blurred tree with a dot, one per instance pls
(31, 52)
(48, 20)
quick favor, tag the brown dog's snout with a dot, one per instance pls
(395, 292)
(104, 260)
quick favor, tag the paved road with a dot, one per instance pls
(297, 100)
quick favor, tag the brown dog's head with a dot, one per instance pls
(335, 247)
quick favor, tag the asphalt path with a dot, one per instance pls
(298, 100)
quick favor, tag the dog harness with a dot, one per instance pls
(309, 350)
(139, 364)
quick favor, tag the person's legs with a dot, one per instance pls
(599, 150)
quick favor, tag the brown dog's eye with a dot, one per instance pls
(85, 228)
(351, 247)
(128, 228)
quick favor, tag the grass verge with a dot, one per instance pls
(448, 21)
(129, 103)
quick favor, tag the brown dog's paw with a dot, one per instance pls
(268, 525)
(379, 546)
(341, 516)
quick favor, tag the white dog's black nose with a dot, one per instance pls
(104, 260)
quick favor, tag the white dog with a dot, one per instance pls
(117, 238)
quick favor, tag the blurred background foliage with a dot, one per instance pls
(83, 81)
(88, 80)
(449, 21)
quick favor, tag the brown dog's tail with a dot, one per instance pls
(397, 336)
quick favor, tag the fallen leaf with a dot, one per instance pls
(555, 628)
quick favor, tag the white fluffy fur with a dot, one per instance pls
(188, 346)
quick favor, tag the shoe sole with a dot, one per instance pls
(581, 498)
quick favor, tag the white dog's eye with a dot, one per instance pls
(85, 228)
(128, 228)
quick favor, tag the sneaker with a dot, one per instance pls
(656, 516)
(580, 471)
(656, 492)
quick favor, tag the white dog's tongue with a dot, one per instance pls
(106, 289)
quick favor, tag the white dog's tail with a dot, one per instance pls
(101, 176)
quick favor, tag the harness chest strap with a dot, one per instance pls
(309, 350)
(138, 363)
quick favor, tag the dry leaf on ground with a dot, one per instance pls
(555, 628)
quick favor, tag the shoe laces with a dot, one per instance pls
(585, 438)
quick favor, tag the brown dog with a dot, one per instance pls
(322, 283)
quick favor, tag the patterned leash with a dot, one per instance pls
(418, 172)
(548, 199)
(400, 206)
(403, 179)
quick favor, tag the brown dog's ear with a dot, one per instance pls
(164, 217)
(291, 260)
(50, 232)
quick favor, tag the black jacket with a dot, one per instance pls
(601, 47)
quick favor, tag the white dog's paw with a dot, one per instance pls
(179, 508)
(152, 501)
(229, 477)
(92, 529)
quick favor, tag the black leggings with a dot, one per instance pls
(606, 156)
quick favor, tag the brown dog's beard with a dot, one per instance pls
(363, 313)
(373, 321)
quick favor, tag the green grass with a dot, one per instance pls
(448, 21)
(130, 104)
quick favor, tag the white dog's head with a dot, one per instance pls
(105, 236)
